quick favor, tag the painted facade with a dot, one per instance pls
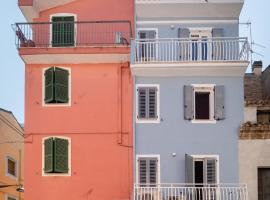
(176, 57)
(79, 142)
(11, 156)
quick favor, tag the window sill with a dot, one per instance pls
(150, 121)
(55, 174)
(56, 104)
(196, 121)
(12, 176)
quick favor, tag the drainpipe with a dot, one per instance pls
(19, 171)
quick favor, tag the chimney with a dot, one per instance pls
(257, 68)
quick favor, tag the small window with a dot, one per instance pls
(11, 167)
(147, 103)
(63, 31)
(263, 116)
(11, 198)
(56, 86)
(56, 155)
(204, 102)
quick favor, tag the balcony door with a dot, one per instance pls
(63, 31)
(200, 48)
(147, 46)
(264, 184)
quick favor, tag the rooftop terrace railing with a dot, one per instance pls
(73, 34)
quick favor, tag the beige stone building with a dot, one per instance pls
(11, 156)
(254, 144)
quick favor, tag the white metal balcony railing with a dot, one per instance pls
(190, 192)
(186, 50)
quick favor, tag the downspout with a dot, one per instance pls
(19, 171)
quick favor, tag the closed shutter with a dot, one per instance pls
(189, 164)
(62, 31)
(49, 85)
(218, 47)
(184, 33)
(11, 167)
(188, 102)
(211, 171)
(61, 155)
(147, 171)
(142, 107)
(48, 151)
(61, 85)
(147, 103)
(219, 103)
(152, 103)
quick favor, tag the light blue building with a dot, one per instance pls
(188, 63)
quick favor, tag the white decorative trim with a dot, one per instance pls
(203, 157)
(43, 89)
(16, 167)
(158, 104)
(64, 15)
(157, 156)
(69, 157)
(188, 22)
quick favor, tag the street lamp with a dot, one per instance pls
(19, 187)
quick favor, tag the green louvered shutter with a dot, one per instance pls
(48, 162)
(60, 155)
(49, 85)
(61, 85)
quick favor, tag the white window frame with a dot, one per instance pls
(16, 167)
(203, 158)
(10, 196)
(157, 156)
(43, 156)
(202, 32)
(158, 104)
(43, 89)
(75, 27)
(205, 88)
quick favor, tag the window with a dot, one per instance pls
(203, 102)
(63, 31)
(56, 155)
(147, 171)
(56, 85)
(147, 103)
(10, 198)
(263, 116)
(11, 167)
(202, 169)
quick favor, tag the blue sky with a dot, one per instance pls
(12, 68)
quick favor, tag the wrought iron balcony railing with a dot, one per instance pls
(190, 192)
(189, 50)
(73, 34)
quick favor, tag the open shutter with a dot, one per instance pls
(188, 102)
(48, 157)
(49, 85)
(61, 155)
(152, 103)
(219, 103)
(184, 33)
(211, 171)
(189, 163)
(142, 104)
(61, 85)
(218, 47)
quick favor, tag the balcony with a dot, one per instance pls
(224, 54)
(69, 37)
(191, 192)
